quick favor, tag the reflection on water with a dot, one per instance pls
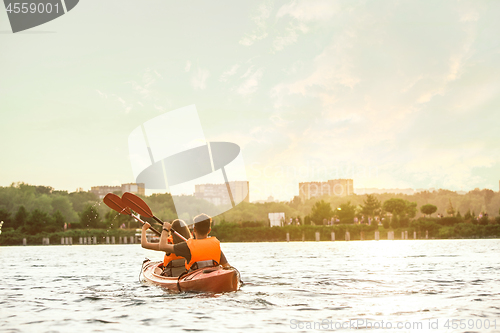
(85, 288)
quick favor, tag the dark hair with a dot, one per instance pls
(181, 227)
(202, 223)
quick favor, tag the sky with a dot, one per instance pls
(393, 94)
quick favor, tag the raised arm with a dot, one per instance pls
(144, 241)
(223, 260)
(163, 245)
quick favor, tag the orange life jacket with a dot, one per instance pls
(203, 249)
(171, 256)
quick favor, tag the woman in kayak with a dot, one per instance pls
(199, 252)
(172, 265)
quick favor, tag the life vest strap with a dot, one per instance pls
(203, 264)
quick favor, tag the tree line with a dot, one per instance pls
(34, 209)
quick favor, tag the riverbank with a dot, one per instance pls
(232, 232)
(16, 237)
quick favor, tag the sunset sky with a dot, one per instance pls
(394, 94)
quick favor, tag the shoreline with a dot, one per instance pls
(231, 232)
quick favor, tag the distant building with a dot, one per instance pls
(134, 188)
(338, 187)
(218, 194)
(101, 191)
(408, 191)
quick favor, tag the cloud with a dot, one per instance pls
(158, 75)
(406, 99)
(144, 88)
(159, 108)
(301, 14)
(263, 12)
(188, 66)
(230, 72)
(101, 93)
(278, 121)
(290, 36)
(318, 10)
(142, 94)
(250, 83)
(199, 80)
(127, 106)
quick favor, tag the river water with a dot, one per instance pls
(418, 286)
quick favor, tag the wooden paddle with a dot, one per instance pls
(138, 205)
(116, 203)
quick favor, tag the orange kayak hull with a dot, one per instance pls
(210, 279)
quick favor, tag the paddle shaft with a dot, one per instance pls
(156, 231)
(153, 229)
(140, 206)
(172, 230)
(157, 220)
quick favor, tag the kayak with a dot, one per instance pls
(209, 279)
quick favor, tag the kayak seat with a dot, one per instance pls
(175, 268)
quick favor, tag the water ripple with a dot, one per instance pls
(307, 281)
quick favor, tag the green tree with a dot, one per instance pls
(346, 212)
(483, 220)
(386, 223)
(89, 217)
(58, 219)
(411, 209)
(114, 220)
(21, 217)
(295, 202)
(450, 210)
(63, 204)
(7, 220)
(428, 209)
(395, 222)
(488, 195)
(404, 222)
(43, 189)
(37, 222)
(321, 211)
(395, 206)
(371, 204)
(80, 200)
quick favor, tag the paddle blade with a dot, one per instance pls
(115, 202)
(137, 204)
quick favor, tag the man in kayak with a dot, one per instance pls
(172, 265)
(200, 252)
